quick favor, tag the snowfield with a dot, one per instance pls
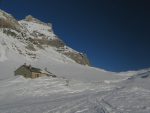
(51, 95)
(60, 95)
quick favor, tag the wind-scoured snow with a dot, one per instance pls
(50, 95)
(61, 95)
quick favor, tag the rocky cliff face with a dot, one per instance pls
(8, 21)
(78, 57)
(37, 35)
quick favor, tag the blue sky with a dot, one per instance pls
(113, 33)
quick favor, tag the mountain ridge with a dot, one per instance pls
(37, 34)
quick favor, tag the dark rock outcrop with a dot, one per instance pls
(8, 21)
(78, 57)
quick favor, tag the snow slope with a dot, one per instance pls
(58, 95)
(132, 95)
(50, 95)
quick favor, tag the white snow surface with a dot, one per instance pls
(39, 28)
(61, 95)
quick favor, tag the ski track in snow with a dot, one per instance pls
(52, 95)
(71, 99)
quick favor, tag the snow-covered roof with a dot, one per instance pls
(44, 72)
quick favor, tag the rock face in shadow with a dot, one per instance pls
(78, 57)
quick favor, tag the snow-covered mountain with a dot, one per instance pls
(34, 36)
(34, 42)
(78, 87)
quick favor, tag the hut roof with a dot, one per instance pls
(32, 69)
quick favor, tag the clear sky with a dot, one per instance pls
(115, 34)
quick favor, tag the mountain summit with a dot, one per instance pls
(35, 35)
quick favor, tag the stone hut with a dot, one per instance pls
(31, 72)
